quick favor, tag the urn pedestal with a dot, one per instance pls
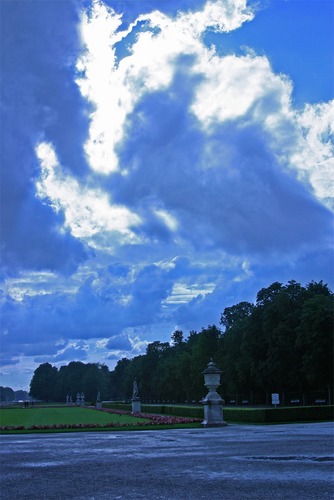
(136, 405)
(213, 403)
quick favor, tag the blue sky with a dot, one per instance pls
(160, 161)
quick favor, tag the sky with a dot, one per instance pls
(160, 160)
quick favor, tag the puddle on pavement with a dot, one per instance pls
(290, 458)
(43, 464)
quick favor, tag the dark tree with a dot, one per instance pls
(315, 341)
(283, 343)
(177, 337)
(266, 295)
(43, 383)
(7, 394)
(234, 314)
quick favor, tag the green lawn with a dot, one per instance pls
(51, 416)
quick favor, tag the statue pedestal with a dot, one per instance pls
(98, 404)
(213, 410)
(136, 405)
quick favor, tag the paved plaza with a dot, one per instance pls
(235, 462)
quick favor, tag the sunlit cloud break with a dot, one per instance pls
(232, 86)
(114, 87)
(88, 212)
(239, 90)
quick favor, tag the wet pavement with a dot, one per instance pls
(235, 462)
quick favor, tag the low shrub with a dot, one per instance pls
(118, 406)
(179, 411)
(245, 415)
(276, 415)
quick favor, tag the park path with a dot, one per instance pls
(292, 461)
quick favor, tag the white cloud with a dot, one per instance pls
(184, 292)
(114, 89)
(99, 83)
(88, 212)
(30, 283)
(246, 272)
(232, 87)
(101, 344)
(138, 345)
(167, 218)
(315, 157)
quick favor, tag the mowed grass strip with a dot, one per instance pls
(53, 416)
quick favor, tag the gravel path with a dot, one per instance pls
(234, 462)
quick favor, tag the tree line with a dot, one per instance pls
(50, 384)
(282, 343)
(7, 394)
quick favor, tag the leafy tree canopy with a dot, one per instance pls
(282, 343)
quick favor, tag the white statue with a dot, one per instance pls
(135, 390)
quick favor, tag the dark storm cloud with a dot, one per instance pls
(4, 360)
(93, 312)
(230, 290)
(120, 342)
(73, 352)
(37, 94)
(225, 190)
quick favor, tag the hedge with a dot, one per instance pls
(179, 411)
(245, 415)
(275, 415)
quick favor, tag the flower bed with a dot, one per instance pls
(166, 419)
(154, 418)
